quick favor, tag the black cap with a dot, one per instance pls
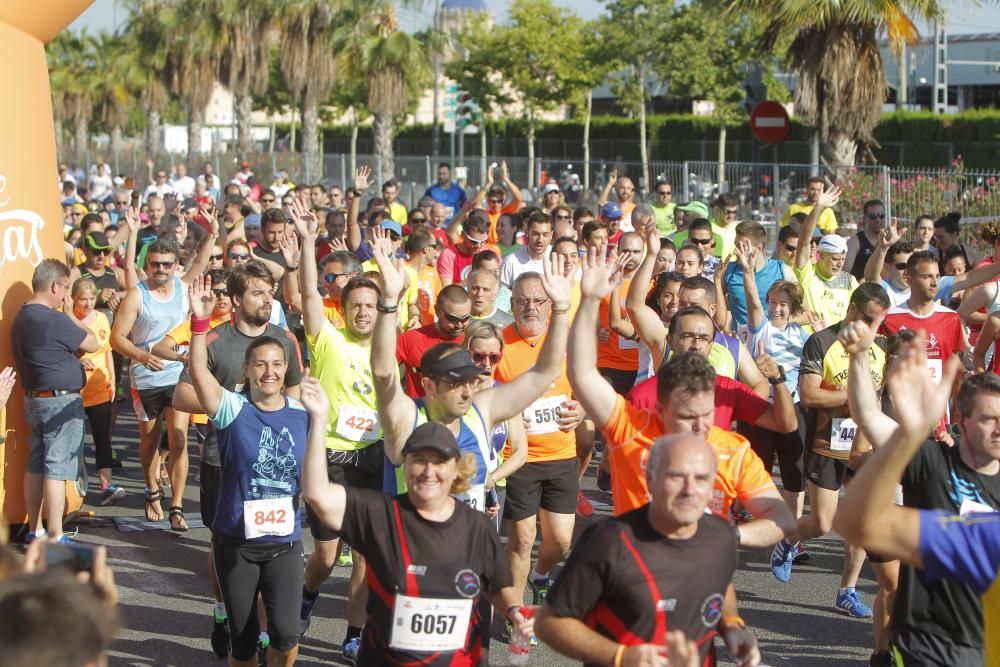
(433, 436)
(455, 367)
(189, 204)
(98, 241)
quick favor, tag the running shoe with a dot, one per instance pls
(782, 558)
(220, 636)
(346, 558)
(351, 648)
(32, 536)
(849, 602)
(604, 481)
(115, 461)
(583, 506)
(882, 659)
(803, 555)
(305, 611)
(111, 495)
(66, 539)
(540, 591)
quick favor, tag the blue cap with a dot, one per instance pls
(611, 211)
(390, 225)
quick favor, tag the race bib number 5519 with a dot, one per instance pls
(543, 415)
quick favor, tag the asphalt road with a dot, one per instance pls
(166, 603)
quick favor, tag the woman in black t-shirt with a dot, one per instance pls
(435, 566)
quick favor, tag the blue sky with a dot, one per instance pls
(963, 15)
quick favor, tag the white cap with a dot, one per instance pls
(550, 187)
(833, 244)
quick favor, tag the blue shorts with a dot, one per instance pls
(55, 444)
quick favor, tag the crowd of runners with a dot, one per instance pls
(428, 382)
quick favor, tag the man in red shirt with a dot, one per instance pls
(692, 330)
(454, 310)
(944, 331)
(455, 261)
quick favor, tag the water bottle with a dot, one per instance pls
(520, 643)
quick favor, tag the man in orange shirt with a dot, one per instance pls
(685, 404)
(421, 267)
(618, 357)
(546, 486)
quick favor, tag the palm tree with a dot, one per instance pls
(117, 84)
(397, 64)
(307, 66)
(835, 55)
(244, 65)
(148, 53)
(71, 70)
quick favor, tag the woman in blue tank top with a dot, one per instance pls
(262, 436)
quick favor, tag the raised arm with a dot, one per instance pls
(454, 229)
(205, 246)
(618, 322)
(361, 183)
(746, 255)
(977, 276)
(326, 498)
(606, 191)
(396, 410)
(595, 393)
(868, 516)
(873, 268)
(515, 192)
(207, 388)
(721, 318)
(310, 302)
(827, 199)
(646, 322)
(131, 247)
(987, 337)
(978, 299)
(511, 398)
(857, 339)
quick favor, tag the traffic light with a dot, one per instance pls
(464, 109)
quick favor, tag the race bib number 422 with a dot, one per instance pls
(429, 624)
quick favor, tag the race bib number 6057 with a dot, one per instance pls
(429, 624)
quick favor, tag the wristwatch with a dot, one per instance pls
(778, 380)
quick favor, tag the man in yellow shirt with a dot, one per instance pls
(826, 286)
(814, 188)
(390, 193)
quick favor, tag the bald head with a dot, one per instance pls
(680, 475)
(438, 214)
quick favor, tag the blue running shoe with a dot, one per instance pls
(351, 649)
(849, 602)
(782, 559)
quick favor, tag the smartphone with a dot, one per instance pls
(75, 557)
(491, 498)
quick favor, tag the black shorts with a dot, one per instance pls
(549, 485)
(789, 448)
(825, 472)
(621, 381)
(209, 492)
(917, 647)
(274, 570)
(351, 471)
(149, 404)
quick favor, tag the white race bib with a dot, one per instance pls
(972, 507)
(627, 343)
(935, 366)
(429, 624)
(543, 414)
(474, 497)
(358, 424)
(270, 516)
(842, 434)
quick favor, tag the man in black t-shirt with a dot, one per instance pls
(664, 565)
(45, 343)
(940, 622)
(249, 287)
(272, 232)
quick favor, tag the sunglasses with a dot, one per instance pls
(482, 357)
(102, 251)
(876, 216)
(700, 241)
(220, 292)
(900, 266)
(161, 265)
(496, 201)
(330, 277)
(790, 248)
(216, 258)
(241, 256)
(455, 319)
(417, 221)
(475, 242)
(267, 201)
(732, 211)
(664, 192)
(564, 217)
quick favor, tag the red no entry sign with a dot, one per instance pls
(769, 122)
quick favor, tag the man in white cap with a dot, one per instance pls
(826, 286)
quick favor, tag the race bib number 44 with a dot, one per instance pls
(842, 434)
(543, 415)
(358, 424)
(429, 624)
(270, 516)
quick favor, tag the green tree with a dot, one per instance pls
(631, 35)
(245, 58)
(72, 71)
(519, 69)
(307, 67)
(147, 39)
(118, 83)
(834, 52)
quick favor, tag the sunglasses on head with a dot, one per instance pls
(455, 319)
(482, 357)
(242, 256)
